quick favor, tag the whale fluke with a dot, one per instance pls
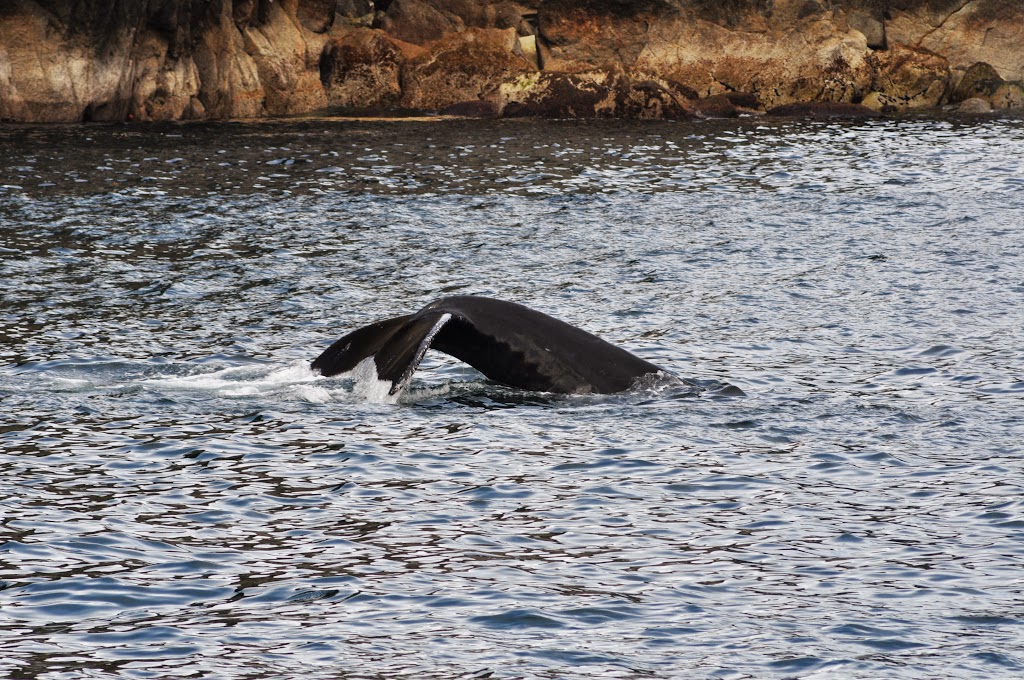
(507, 342)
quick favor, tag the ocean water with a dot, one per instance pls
(181, 497)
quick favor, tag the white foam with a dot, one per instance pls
(293, 381)
(70, 384)
(368, 385)
(224, 378)
(246, 381)
(312, 394)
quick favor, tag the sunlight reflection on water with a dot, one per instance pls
(181, 495)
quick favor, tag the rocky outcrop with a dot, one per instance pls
(423, 21)
(361, 70)
(595, 94)
(963, 32)
(467, 65)
(907, 78)
(71, 60)
(906, 54)
(982, 83)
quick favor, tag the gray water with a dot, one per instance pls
(182, 497)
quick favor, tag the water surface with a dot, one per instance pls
(180, 496)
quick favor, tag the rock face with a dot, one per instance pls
(907, 78)
(74, 60)
(981, 82)
(361, 70)
(463, 66)
(595, 94)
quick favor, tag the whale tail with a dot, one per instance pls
(397, 346)
(507, 342)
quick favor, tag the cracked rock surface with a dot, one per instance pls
(74, 60)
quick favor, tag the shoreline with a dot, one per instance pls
(933, 113)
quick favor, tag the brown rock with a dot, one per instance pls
(472, 109)
(48, 75)
(648, 100)
(558, 95)
(870, 25)
(316, 15)
(823, 110)
(1009, 95)
(464, 66)
(361, 71)
(418, 22)
(743, 100)
(246, 13)
(587, 33)
(982, 81)
(528, 46)
(909, 78)
(424, 21)
(167, 89)
(354, 12)
(979, 80)
(171, 59)
(716, 106)
(485, 13)
(681, 90)
(962, 32)
(781, 52)
(596, 94)
(974, 105)
(286, 66)
(878, 102)
(229, 80)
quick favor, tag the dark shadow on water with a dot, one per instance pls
(492, 396)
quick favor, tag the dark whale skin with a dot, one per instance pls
(509, 343)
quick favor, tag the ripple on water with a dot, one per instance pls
(837, 493)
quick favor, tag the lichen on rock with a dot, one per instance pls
(907, 78)
(360, 71)
(981, 81)
(462, 66)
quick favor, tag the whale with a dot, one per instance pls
(509, 343)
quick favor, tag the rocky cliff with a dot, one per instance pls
(73, 60)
